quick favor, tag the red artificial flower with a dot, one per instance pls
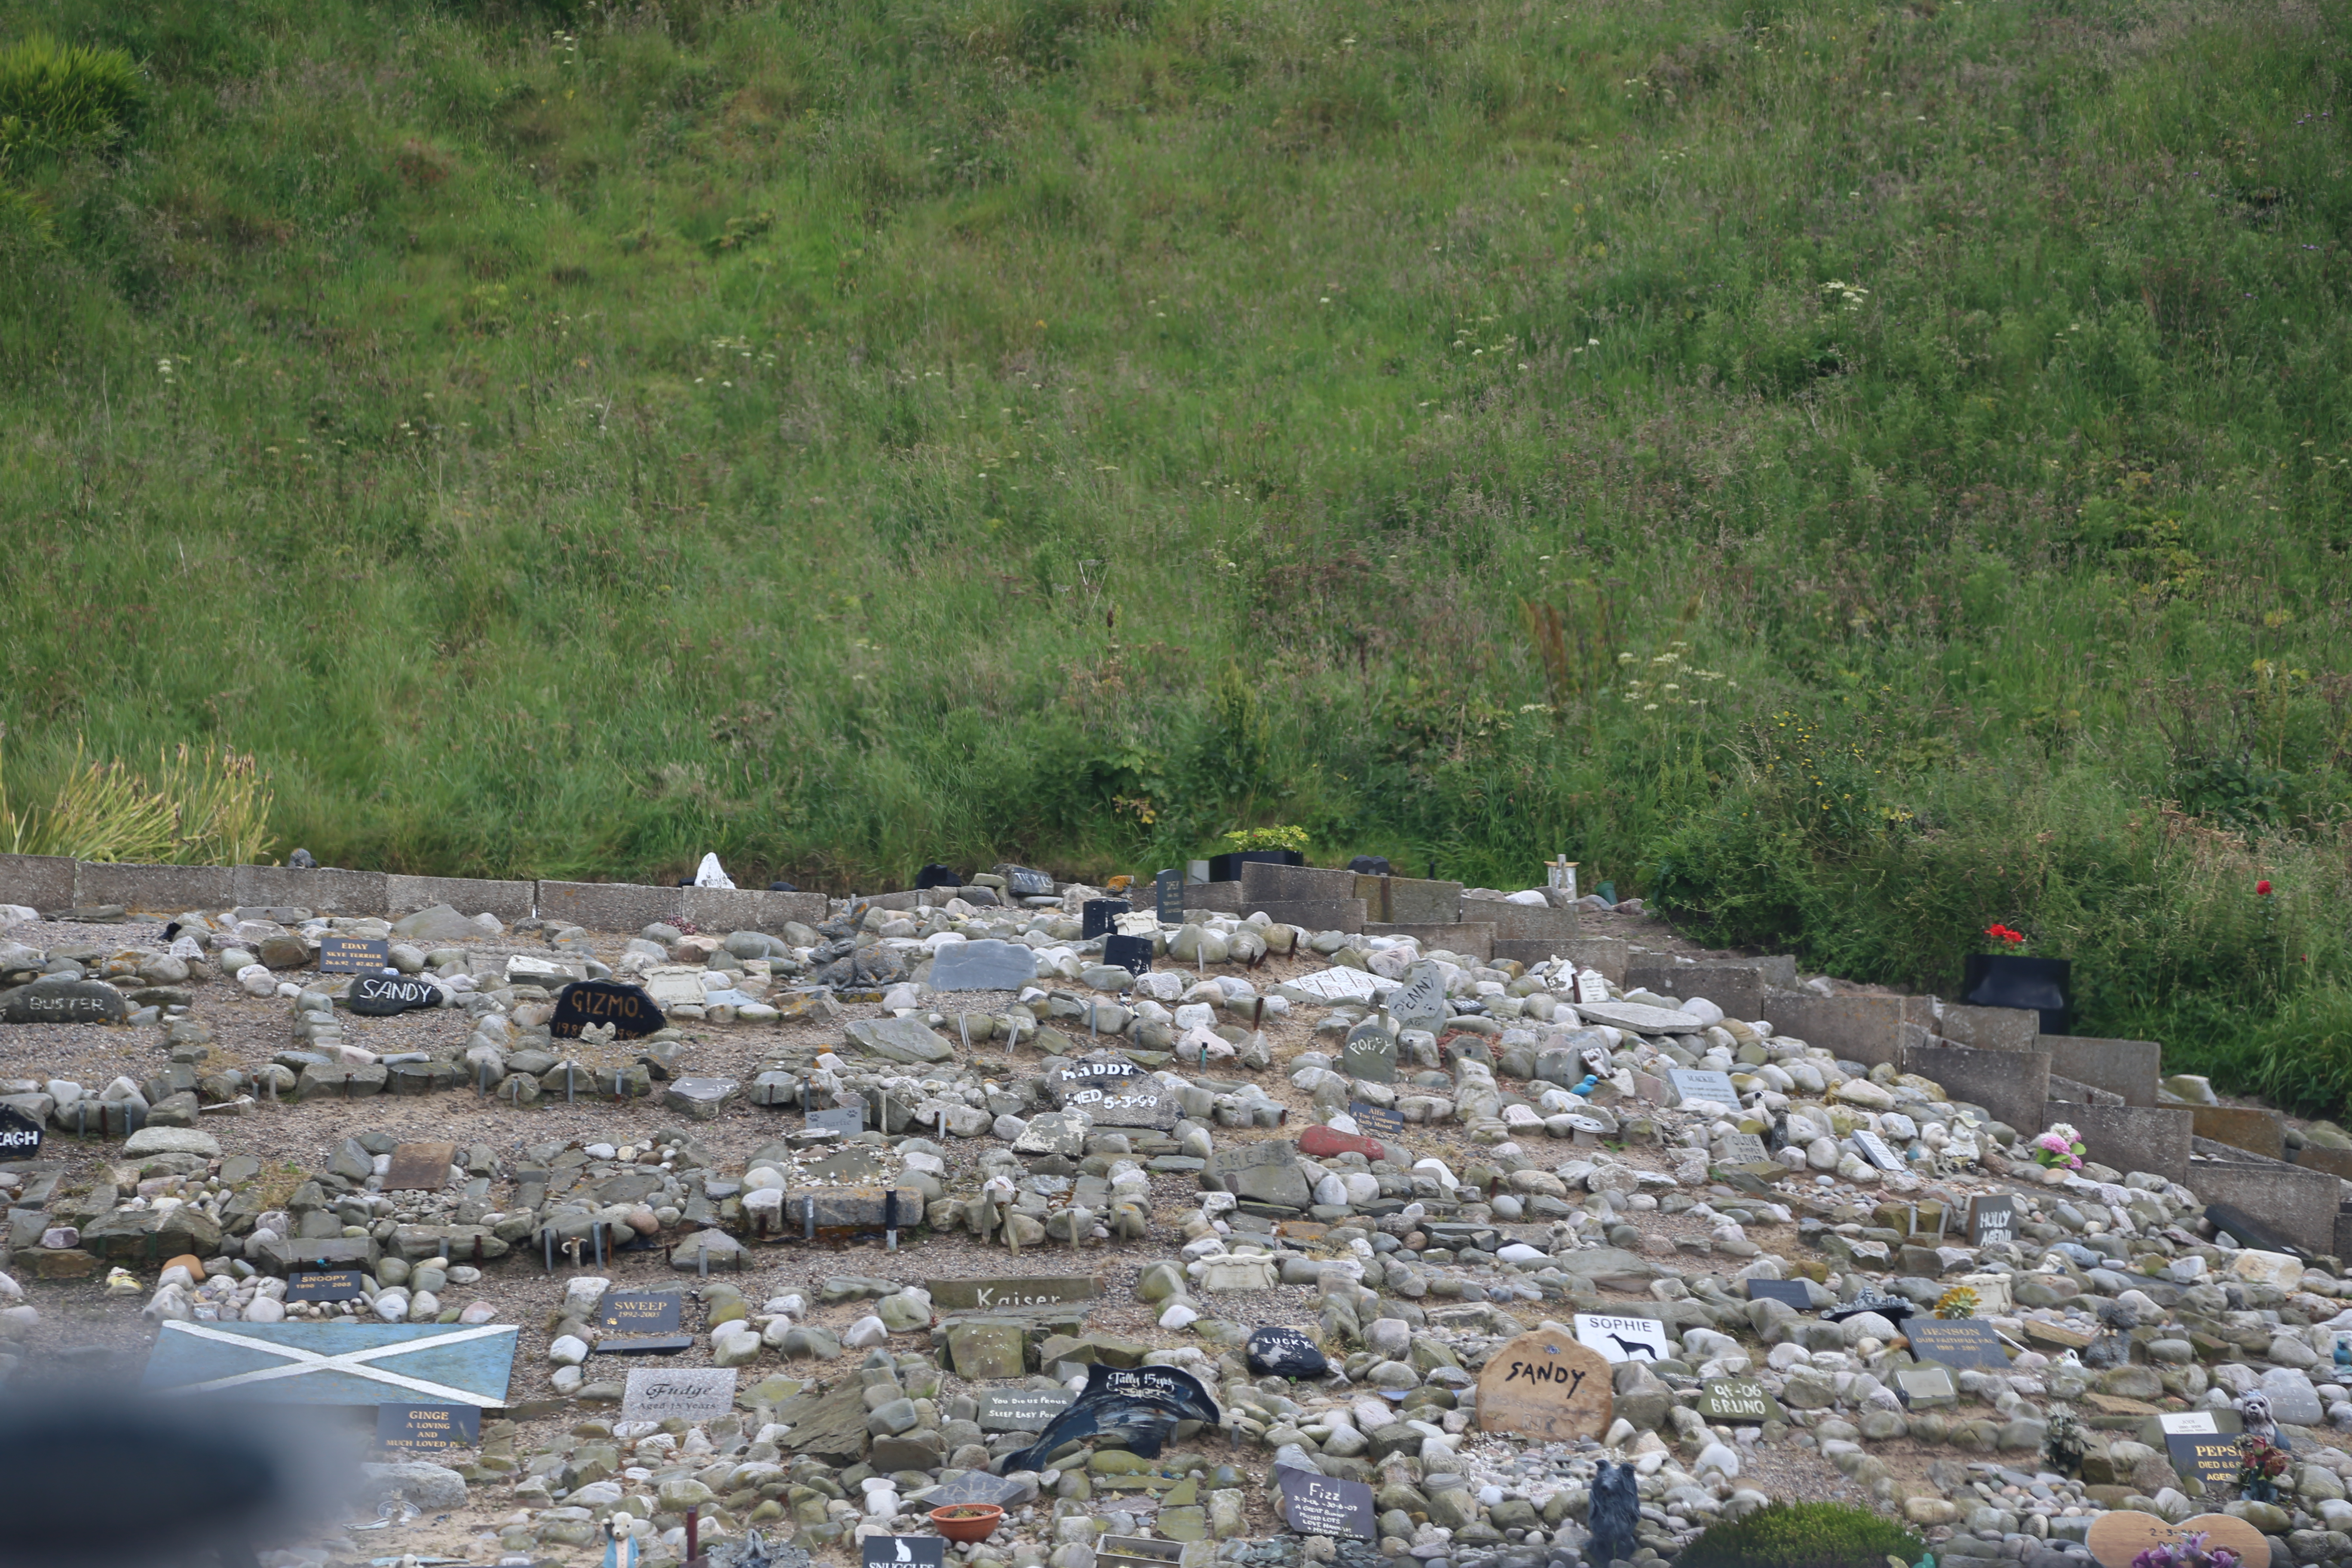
(2264, 887)
(2000, 933)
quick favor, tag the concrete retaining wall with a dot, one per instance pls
(1736, 988)
(1521, 922)
(1263, 884)
(510, 901)
(2128, 1067)
(1410, 900)
(2242, 1126)
(1991, 1029)
(2013, 1086)
(155, 890)
(610, 906)
(2135, 1137)
(1608, 954)
(45, 882)
(323, 890)
(2299, 1206)
(1866, 1029)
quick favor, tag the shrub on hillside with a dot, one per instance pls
(58, 98)
(1804, 1535)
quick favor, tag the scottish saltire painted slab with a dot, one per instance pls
(335, 1363)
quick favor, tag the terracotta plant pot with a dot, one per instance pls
(968, 1520)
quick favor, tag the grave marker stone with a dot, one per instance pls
(1370, 1053)
(1022, 1409)
(1024, 883)
(638, 1312)
(1375, 1122)
(68, 1002)
(1168, 895)
(628, 1009)
(324, 1285)
(1099, 917)
(1927, 1387)
(20, 1135)
(1339, 983)
(1592, 985)
(2187, 1423)
(1699, 1083)
(383, 995)
(973, 1486)
(1545, 1385)
(1623, 1338)
(845, 1120)
(419, 1167)
(353, 954)
(1013, 1294)
(2204, 1462)
(1277, 1352)
(1956, 1342)
(413, 1429)
(1146, 1402)
(1741, 1149)
(692, 1394)
(988, 964)
(1132, 953)
(1113, 1090)
(905, 1552)
(1738, 1399)
(1326, 1505)
(1992, 1217)
(1874, 1149)
(1420, 1002)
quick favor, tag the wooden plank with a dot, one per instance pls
(335, 1363)
(419, 1167)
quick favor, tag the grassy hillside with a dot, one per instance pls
(1850, 473)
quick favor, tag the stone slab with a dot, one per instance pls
(688, 1392)
(333, 1363)
(1546, 1385)
(907, 1041)
(1013, 1293)
(154, 889)
(1866, 1029)
(1638, 1018)
(510, 901)
(985, 965)
(610, 906)
(1410, 900)
(419, 1167)
(2155, 1139)
(1991, 1028)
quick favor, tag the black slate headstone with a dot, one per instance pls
(1099, 917)
(1021, 882)
(639, 1312)
(417, 1428)
(1326, 1505)
(352, 955)
(1167, 894)
(2206, 1461)
(1138, 1408)
(1894, 1309)
(1132, 953)
(1374, 1122)
(20, 1135)
(382, 995)
(1992, 1217)
(323, 1285)
(627, 1008)
(1956, 1342)
(1284, 1352)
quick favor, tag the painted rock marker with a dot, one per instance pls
(1545, 1385)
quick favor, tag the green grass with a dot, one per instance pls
(1850, 473)
(1804, 1535)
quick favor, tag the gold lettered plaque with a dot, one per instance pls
(1546, 1385)
(2120, 1535)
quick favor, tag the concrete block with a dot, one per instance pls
(510, 901)
(2133, 1137)
(2242, 1126)
(2299, 1206)
(2128, 1067)
(2013, 1086)
(1410, 900)
(729, 909)
(808, 908)
(2343, 1247)
(1225, 898)
(1263, 884)
(324, 890)
(2337, 1163)
(2072, 1092)
(154, 889)
(1736, 988)
(1855, 1028)
(1469, 940)
(1521, 922)
(44, 881)
(1313, 915)
(1991, 1029)
(610, 906)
